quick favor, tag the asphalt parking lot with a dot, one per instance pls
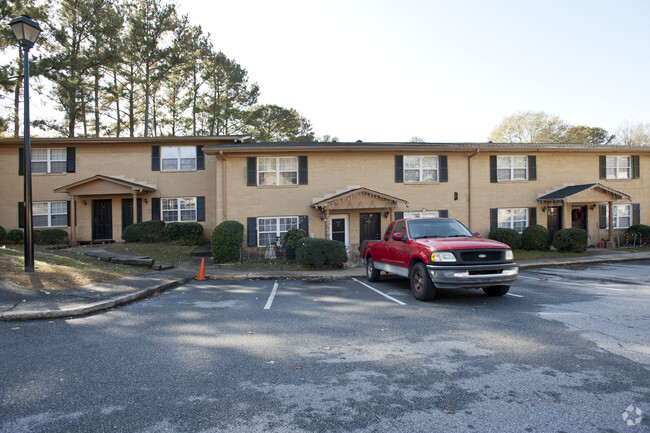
(566, 350)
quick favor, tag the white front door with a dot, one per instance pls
(340, 228)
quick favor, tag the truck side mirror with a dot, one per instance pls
(398, 237)
(478, 235)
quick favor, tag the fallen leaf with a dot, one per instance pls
(448, 411)
(299, 367)
(15, 329)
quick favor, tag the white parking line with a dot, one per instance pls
(512, 294)
(270, 300)
(382, 294)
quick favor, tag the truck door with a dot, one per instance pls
(398, 250)
(381, 247)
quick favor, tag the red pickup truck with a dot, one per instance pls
(441, 253)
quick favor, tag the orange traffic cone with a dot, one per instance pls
(201, 276)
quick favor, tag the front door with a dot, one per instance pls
(339, 229)
(370, 227)
(102, 219)
(553, 220)
(579, 217)
(127, 212)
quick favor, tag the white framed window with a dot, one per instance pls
(426, 214)
(270, 228)
(179, 209)
(514, 218)
(49, 161)
(619, 167)
(512, 167)
(622, 215)
(50, 214)
(281, 170)
(175, 158)
(420, 168)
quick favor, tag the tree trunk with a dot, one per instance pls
(146, 100)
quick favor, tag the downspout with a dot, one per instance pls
(469, 188)
(223, 188)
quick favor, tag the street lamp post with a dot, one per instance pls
(26, 31)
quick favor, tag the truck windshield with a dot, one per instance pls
(436, 228)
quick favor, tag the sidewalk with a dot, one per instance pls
(17, 303)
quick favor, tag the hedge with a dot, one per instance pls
(640, 229)
(574, 239)
(15, 235)
(321, 252)
(146, 231)
(187, 233)
(290, 242)
(510, 237)
(226, 242)
(3, 232)
(535, 237)
(50, 236)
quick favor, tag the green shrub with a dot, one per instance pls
(321, 252)
(187, 233)
(290, 242)
(508, 236)
(146, 231)
(3, 233)
(573, 239)
(535, 237)
(15, 235)
(227, 239)
(50, 236)
(640, 229)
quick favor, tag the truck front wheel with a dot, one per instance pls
(421, 285)
(496, 290)
(372, 273)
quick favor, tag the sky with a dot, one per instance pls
(441, 70)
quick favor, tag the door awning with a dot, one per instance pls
(358, 198)
(587, 193)
(104, 185)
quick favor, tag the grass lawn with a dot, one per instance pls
(162, 253)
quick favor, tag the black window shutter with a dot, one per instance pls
(302, 170)
(603, 167)
(155, 208)
(71, 152)
(155, 158)
(252, 232)
(21, 162)
(602, 220)
(443, 213)
(200, 158)
(303, 224)
(493, 169)
(636, 167)
(69, 211)
(252, 170)
(399, 215)
(21, 215)
(139, 210)
(636, 214)
(494, 218)
(532, 216)
(200, 208)
(399, 168)
(444, 176)
(532, 167)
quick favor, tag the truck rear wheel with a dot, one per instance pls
(496, 290)
(372, 273)
(421, 285)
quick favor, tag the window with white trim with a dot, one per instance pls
(175, 158)
(281, 170)
(619, 167)
(50, 214)
(514, 218)
(426, 214)
(420, 168)
(622, 215)
(49, 161)
(512, 167)
(178, 209)
(271, 228)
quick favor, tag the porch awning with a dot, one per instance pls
(104, 185)
(358, 198)
(587, 193)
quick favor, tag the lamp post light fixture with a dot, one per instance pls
(26, 31)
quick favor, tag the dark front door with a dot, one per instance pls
(338, 229)
(553, 220)
(102, 220)
(579, 217)
(370, 226)
(127, 212)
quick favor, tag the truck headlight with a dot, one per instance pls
(509, 255)
(442, 257)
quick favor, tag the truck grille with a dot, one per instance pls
(481, 256)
